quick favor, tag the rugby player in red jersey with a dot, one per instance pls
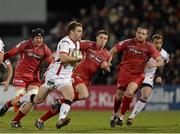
(136, 52)
(26, 76)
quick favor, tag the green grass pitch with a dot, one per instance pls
(96, 122)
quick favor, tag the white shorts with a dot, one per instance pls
(149, 80)
(52, 81)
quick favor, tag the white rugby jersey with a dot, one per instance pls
(56, 69)
(1, 46)
(150, 72)
(6, 63)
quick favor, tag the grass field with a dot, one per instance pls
(96, 122)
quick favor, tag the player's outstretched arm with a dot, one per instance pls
(113, 51)
(10, 53)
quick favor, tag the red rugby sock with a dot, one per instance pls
(19, 116)
(125, 104)
(117, 104)
(50, 113)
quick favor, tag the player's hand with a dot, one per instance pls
(78, 54)
(6, 85)
(158, 80)
(151, 63)
(106, 66)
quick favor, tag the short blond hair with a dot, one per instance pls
(72, 25)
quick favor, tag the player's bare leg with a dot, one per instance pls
(83, 92)
(68, 93)
(145, 93)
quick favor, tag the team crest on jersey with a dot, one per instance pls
(34, 55)
(135, 51)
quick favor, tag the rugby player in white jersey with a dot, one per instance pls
(147, 85)
(58, 74)
(7, 65)
(1, 50)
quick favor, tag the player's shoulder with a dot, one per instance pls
(164, 54)
(126, 41)
(24, 43)
(1, 41)
(65, 40)
(163, 51)
(149, 44)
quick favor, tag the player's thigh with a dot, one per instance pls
(82, 90)
(42, 93)
(131, 89)
(67, 91)
(146, 92)
(32, 89)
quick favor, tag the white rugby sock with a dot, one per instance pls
(64, 110)
(137, 109)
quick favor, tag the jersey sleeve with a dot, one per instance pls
(121, 46)
(85, 44)
(21, 46)
(1, 46)
(48, 55)
(63, 47)
(165, 56)
(8, 63)
(18, 49)
(153, 51)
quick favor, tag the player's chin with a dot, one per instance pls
(74, 64)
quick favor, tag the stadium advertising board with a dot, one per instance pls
(101, 98)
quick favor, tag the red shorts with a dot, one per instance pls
(124, 79)
(78, 79)
(23, 81)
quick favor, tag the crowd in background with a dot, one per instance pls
(121, 18)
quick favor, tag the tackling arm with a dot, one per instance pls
(113, 51)
(11, 53)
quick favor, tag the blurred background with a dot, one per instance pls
(119, 17)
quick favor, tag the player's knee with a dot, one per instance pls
(20, 91)
(119, 94)
(84, 95)
(129, 93)
(39, 99)
(144, 97)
